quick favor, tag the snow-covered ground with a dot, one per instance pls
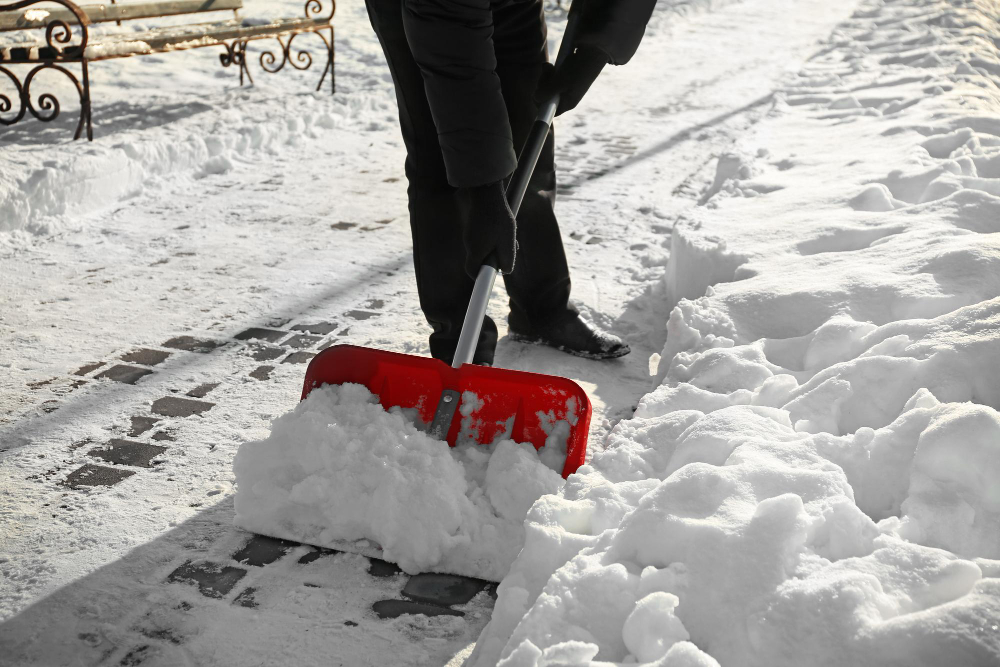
(798, 469)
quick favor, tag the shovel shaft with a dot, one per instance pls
(473, 324)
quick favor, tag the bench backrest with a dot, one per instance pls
(39, 17)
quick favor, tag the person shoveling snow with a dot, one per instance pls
(470, 78)
(339, 469)
(342, 469)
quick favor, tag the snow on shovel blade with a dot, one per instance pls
(528, 404)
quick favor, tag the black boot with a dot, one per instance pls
(571, 334)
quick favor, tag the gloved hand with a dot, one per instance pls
(572, 81)
(489, 228)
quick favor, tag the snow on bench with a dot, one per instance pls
(67, 39)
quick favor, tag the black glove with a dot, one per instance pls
(572, 81)
(489, 229)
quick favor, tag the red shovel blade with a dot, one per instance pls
(528, 403)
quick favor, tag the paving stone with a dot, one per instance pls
(343, 333)
(141, 424)
(77, 445)
(163, 436)
(396, 608)
(299, 357)
(301, 341)
(124, 374)
(374, 304)
(145, 357)
(382, 568)
(95, 475)
(320, 328)
(88, 368)
(192, 344)
(316, 554)
(360, 314)
(202, 391)
(262, 373)
(136, 656)
(163, 635)
(443, 589)
(172, 406)
(264, 352)
(261, 550)
(214, 580)
(49, 406)
(257, 333)
(126, 452)
(246, 598)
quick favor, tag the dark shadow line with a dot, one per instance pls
(77, 405)
(668, 143)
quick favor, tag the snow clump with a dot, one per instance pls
(339, 468)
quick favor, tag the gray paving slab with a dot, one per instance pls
(174, 406)
(213, 580)
(261, 550)
(127, 452)
(302, 341)
(299, 357)
(192, 344)
(443, 589)
(262, 373)
(88, 368)
(124, 374)
(95, 475)
(395, 608)
(260, 333)
(320, 328)
(141, 424)
(145, 357)
(201, 391)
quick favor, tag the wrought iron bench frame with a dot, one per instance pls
(65, 46)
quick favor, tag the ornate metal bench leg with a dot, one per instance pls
(85, 108)
(329, 64)
(236, 54)
(243, 63)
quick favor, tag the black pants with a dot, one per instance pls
(539, 285)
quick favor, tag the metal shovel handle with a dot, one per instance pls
(473, 324)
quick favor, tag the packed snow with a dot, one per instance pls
(814, 480)
(789, 208)
(340, 469)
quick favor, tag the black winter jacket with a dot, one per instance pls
(451, 41)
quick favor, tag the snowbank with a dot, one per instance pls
(813, 480)
(339, 469)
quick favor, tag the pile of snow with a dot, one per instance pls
(339, 468)
(814, 479)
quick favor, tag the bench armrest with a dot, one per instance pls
(58, 24)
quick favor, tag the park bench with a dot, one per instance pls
(64, 37)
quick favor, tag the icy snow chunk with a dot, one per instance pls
(514, 480)
(339, 468)
(652, 628)
(686, 654)
(875, 198)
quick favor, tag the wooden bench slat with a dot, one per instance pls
(33, 18)
(174, 38)
(194, 36)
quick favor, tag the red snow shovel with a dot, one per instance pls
(512, 404)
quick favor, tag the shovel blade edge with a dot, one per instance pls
(514, 404)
